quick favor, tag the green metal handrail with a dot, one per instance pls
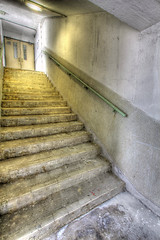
(115, 108)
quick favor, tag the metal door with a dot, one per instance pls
(19, 54)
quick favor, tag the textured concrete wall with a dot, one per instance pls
(114, 54)
(123, 65)
(1, 62)
(137, 14)
(19, 36)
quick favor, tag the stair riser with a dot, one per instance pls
(20, 78)
(29, 120)
(18, 112)
(29, 88)
(50, 165)
(31, 97)
(14, 104)
(30, 92)
(40, 132)
(40, 194)
(25, 83)
(39, 147)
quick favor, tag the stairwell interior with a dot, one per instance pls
(51, 171)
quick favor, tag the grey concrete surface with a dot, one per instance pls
(132, 143)
(122, 217)
(137, 14)
(1, 62)
(18, 32)
(109, 51)
(123, 65)
(16, 10)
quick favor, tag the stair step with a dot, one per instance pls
(32, 92)
(10, 121)
(14, 70)
(44, 218)
(31, 97)
(13, 133)
(32, 84)
(28, 146)
(38, 187)
(24, 82)
(40, 103)
(28, 89)
(22, 167)
(34, 111)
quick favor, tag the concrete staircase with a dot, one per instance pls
(50, 172)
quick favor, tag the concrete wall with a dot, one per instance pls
(18, 32)
(1, 62)
(123, 65)
(19, 36)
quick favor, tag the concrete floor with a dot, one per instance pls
(123, 217)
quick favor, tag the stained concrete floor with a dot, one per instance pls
(122, 217)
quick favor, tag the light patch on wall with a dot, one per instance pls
(2, 12)
(34, 6)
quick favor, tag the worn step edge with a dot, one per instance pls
(11, 121)
(7, 134)
(9, 69)
(31, 94)
(28, 92)
(25, 81)
(41, 191)
(40, 103)
(31, 97)
(21, 167)
(34, 111)
(29, 146)
(40, 226)
(29, 88)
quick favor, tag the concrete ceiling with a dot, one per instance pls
(139, 14)
(16, 11)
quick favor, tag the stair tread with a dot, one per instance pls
(49, 215)
(4, 130)
(17, 132)
(36, 116)
(32, 108)
(31, 97)
(40, 139)
(31, 190)
(35, 110)
(20, 167)
(36, 119)
(27, 146)
(32, 103)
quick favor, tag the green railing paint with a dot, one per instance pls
(115, 108)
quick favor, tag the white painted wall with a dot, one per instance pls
(123, 65)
